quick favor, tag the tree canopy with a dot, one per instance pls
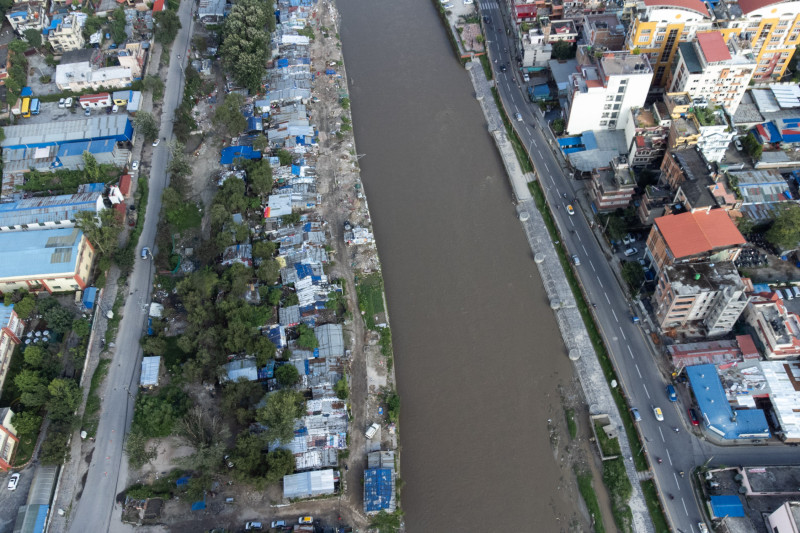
(245, 43)
(102, 233)
(145, 123)
(785, 231)
(279, 414)
(229, 114)
(168, 25)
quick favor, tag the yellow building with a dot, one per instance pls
(658, 26)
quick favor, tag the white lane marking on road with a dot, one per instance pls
(571, 221)
(516, 108)
(584, 249)
(684, 507)
(662, 435)
(630, 352)
(527, 130)
(640, 376)
(615, 315)
(669, 457)
(646, 391)
(552, 180)
(546, 167)
(590, 263)
(605, 294)
(534, 142)
(623, 334)
(540, 153)
(676, 480)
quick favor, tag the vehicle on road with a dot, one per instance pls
(570, 210)
(278, 523)
(738, 144)
(13, 481)
(702, 527)
(145, 252)
(503, 68)
(487, 20)
(635, 319)
(631, 251)
(467, 2)
(305, 520)
(372, 430)
(636, 416)
(156, 142)
(87, 113)
(447, 6)
(135, 165)
(628, 239)
(693, 417)
(252, 526)
(526, 78)
(671, 394)
(576, 260)
(518, 117)
(658, 414)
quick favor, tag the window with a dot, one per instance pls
(621, 90)
(605, 115)
(618, 98)
(609, 98)
(623, 82)
(603, 122)
(616, 107)
(612, 124)
(607, 106)
(659, 38)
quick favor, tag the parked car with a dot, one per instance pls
(145, 251)
(135, 165)
(693, 417)
(636, 416)
(576, 260)
(155, 143)
(503, 67)
(13, 481)
(658, 414)
(487, 20)
(526, 78)
(447, 6)
(87, 113)
(372, 430)
(631, 251)
(570, 210)
(68, 102)
(628, 239)
(305, 520)
(252, 526)
(278, 523)
(61, 103)
(671, 394)
(738, 144)
(467, 2)
(518, 117)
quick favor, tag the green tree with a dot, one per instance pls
(615, 227)
(59, 319)
(34, 37)
(26, 423)
(341, 389)
(91, 168)
(287, 375)
(154, 345)
(260, 143)
(264, 249)
(279, 414)
(118, 26)
(285, 156)
(785, 231)
(54, 447)
(306, 338)
(274, 297)
(65, 396)
(752, 146)
(25, 306)
(263, 349)
(145, 123)
(280, 463)
(392, 400)
(386, 522)
(269, 271)
(138, 451)
(259, 175)
(249, 457)
(102, 231)
(155, 85)
(34, 356)
(168, 24)
(82, 328)
(156, 415)
(563, 50)
(633, 274)
(229, 115)
(558, 126)
(240, 397)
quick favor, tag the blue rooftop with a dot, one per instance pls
(48, 208)
(5, 314)
(716, 412)
(378, 488)
(728, 505)
(41, 252)
(230, 153)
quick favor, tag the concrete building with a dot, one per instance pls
(699, 298)
(653, 204)
(604, 89)
(51, 212)
(786, 518)
(712, 70)
(559, 30)
(613, 187)
(31, 15)
(66, 35)
(699, 236)
(211, 11)
(695, 124)
(716, 133)
(659, 26)
(603, 30)
(95, 101)
(8, 439)
(132, 56)
(77, 77)
(536, 51)
(11, 328)
(776, 330)
(55, 260)
(646, 134)
(686, 174)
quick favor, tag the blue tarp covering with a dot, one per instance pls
(589, 140)
(89, 296)
(728, 505)
(378, 489)
(254, 124)
(296, 170)
(330, 71)
(268, 371)
(198, 506)
(303, 270)
(93, 187)
(230, 153)
(716, 412)
(182, 480)
(542, 90)
(761, 287)
(569, 141)
(282, 63)
(41, 519)
(26, 91)
(574, 149)
(307, 370)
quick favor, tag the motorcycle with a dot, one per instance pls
(659, 460)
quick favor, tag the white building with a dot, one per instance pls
(67, 35)
(713, 70)
(776, 329)
(28, 16)
(78, 77)
(536, 51)
(605, 88)
(715, 136)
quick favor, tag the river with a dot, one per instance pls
(478, 356)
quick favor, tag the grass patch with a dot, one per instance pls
(654, 506)
(620, 489)
(173, 356)
(590, 499)
(519, 149)
(594, 334)
(572, 425)
(608, 446)
(370, 297)
(91, 415)
(487, 67)
(27, 444)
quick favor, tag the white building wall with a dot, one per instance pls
(595, 109)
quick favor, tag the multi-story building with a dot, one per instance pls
(65, 34)
(658, 26)
(11, 328)
(604, 30)
(687, 175)
(694, 124)
(77, 77)
(60, 211)
(604, 89)
(653, 204)
(699, 298)
(716, 133)
(55, 260)
(697, 236)
(8, 439)
(30, 15)
(559, 30)
(712, 70)
(536, 51)
(613, 187)
(132, 56)
(646, 135)
(5, 63)
(776, 330)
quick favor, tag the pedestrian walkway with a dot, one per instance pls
(562, 301)
(488, 5)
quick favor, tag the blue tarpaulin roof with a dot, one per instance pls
(26, 91)
(378, 487)
(716, 412)
(569, 141)
(268, 371)
(198, 506)
(88, 297)
(727, 505)
(230, 153)
(589, 140)
(541, 90)
(282, 63)
(182, 480)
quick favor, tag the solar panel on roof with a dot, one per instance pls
(61, 255)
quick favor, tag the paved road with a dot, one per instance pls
(634, 359)
(108, 470)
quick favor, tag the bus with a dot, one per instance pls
(35, 106)
(26, 107)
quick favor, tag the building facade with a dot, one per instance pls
(11, 328)
(77, 77)
(8, 439)
(646, 136)
(605, 88)
(31, 15)
(776, 330)
(66, 36)
(613, 187)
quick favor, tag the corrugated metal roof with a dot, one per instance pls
(39, 253)
(307, 484)
(378, 490)
(150, 367)
(47, 208)
(60, 132)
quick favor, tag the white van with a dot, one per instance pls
(631, 251)
(372, 430)
(789, 294)
(779, 293)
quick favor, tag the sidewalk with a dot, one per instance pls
(570, 323)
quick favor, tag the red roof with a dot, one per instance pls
(748, 347)
(525, 10)
(748, 6)
(94, 97)
(694, 5)
(120, 209)
(158, 5)
(713, 46)
(690, 234)
(125, 184)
